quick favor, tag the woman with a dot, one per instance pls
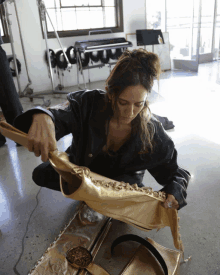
(113, 131)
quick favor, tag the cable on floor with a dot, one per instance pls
(14, 268)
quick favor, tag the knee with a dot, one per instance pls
(38, 176)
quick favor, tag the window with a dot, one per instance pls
(155, 11)
(3, 26)
(78, 17)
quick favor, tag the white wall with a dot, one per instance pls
(134, 18)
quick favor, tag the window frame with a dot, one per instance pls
(6, 37)
(119, 28)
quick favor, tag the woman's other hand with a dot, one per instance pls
(171, 202)
(41, 136)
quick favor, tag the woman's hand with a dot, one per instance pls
(41, 136)
(171, 201)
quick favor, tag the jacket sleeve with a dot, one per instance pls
(67, 120)
(60, 117)
(167, 173)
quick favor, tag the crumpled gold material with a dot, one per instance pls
(140, 207)
(74, 234)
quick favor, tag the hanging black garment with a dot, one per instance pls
(95, 57)
(112, 54)
(84, 59)
(104, 57)
(52, 58)
(61, 64)
(13, 71)
(118, 53)
(72, 59)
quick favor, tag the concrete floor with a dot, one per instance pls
(31, 217)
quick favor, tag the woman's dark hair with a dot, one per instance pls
(137, 67)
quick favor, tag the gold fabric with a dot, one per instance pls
(74, 234)
(143, 262)
(96, 269)
(140, 207)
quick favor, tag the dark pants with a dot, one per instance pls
(45, 176)
(9, 99)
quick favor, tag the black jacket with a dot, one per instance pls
(84, 120)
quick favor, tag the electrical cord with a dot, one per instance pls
(22, 251)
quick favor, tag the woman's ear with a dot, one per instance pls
(110, 97)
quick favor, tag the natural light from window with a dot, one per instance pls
(69, 15)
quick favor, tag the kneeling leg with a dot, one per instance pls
(45, 176)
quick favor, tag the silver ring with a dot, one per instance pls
(169, 204)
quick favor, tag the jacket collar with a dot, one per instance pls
(97, 136)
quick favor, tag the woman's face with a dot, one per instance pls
(130, 103)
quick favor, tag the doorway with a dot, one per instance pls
(193, 27)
